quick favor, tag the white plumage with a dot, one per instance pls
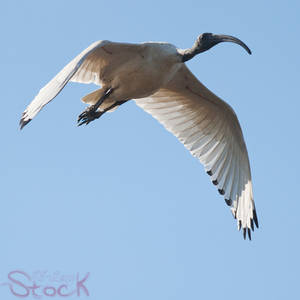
(155, 76)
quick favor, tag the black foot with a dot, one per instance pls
(88, 116)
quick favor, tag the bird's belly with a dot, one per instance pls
(141, 84)
(133, 81)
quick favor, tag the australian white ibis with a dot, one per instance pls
(156, 77)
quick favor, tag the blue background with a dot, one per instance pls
(121, 198)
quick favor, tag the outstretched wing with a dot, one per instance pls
(209, 128)
(84, 68)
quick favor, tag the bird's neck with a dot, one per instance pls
(187, 54)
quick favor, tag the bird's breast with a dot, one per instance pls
(144, 75)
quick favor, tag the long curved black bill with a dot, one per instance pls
(220, 38)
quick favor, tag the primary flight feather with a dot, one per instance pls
(156, 77)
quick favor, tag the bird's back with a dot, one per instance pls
(138, 70)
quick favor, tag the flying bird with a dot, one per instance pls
(155, 76)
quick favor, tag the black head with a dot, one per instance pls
(205, 41)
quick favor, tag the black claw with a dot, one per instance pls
(88, 116)
(221, 191)
(215, 182)
(209, 173)
(80, 116)
(240, 224)
(244, 233)
(83, 121)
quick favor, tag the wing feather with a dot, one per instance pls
(53, 88)
(209, 129)
(85, 68)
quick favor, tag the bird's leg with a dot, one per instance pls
(117, 103)
(91, 113)
(98, 114)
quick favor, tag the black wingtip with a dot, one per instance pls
(255, 218)
(23, 123)
(246, 231)
(240, 225)
(252, 225)
(228, 202)
(221, 191)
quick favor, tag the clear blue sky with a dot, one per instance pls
(121, 198)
